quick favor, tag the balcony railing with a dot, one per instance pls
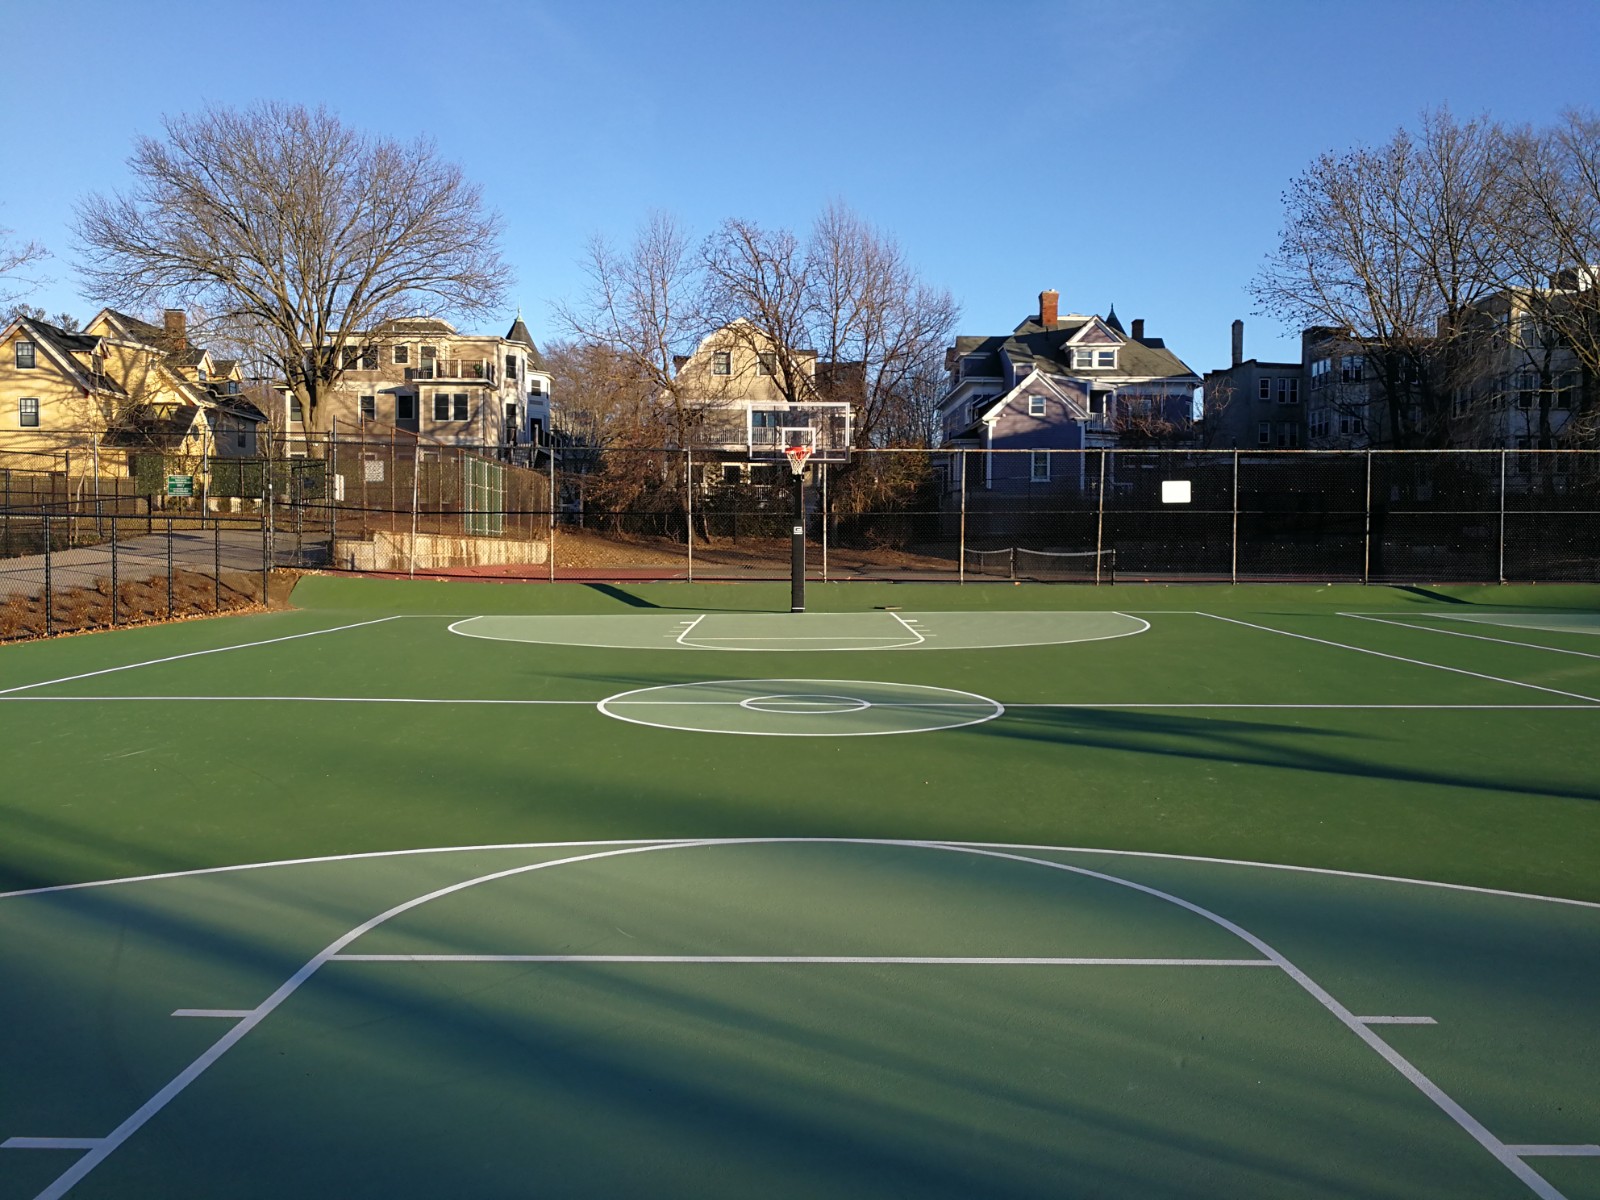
(453, 369)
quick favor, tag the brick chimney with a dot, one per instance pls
(1048, 307)
(1238, 342)
(1138, 329)
(177, 328)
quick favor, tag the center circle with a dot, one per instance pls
(805, 704)
(801, 707)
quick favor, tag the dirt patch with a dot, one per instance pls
(145, 602)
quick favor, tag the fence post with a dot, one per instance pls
(216, 566)
(688, 505)
(1100, 514)
(416, 475)
(1502, 515)
(169, 566)
(48, 589)
(551, 551)
(1366, 535)
(961, 529)
(114, 587)
(1233, 571)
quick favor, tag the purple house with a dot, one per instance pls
(1062, 382)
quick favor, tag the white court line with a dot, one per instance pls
(1090, 705)
(837, 637)
(191, 654)
(685, 631)
(497, 847)
(1477, 637)
(220, 1013)
(106, 1146)
(1416, 662)
(49, 1143)
(823, 959)
(909, 629)
(1397, 1020)
(1576, 1151)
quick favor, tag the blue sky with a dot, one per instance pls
(1130, 153)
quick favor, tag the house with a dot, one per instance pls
(1253, 404)
(420, 375)
(1062, 382)
(730, 395)
(118, 388)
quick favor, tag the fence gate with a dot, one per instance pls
(483, 497)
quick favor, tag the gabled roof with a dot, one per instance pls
(61, 346)
(1033, 346)
(164, 430)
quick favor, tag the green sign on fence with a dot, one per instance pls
(180, 485)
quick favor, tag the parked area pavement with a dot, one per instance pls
(199, 551)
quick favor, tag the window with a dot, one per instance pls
(1266, 388)
(535, 387)
(369, 408)
(764, 419)
(1264, 433)
(1319, 372)
(239, 439)
(511, 366)
(233, 387)
(350, 358)
(1097, 404)
(425, 363)
(460, 406)
(732, 474)
(297, 411)
(441, 406)
(1036, 406)
(28, 412)
(1105, 358)
(1039, 468)
(25, 356)
(200, 374)
(721, 363)
(1288, 390)
(766, 363)
(405, 407)
(1351, 368)
(402, 355)
(369, 358)
(1288, 434)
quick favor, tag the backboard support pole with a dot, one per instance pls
(797, 547)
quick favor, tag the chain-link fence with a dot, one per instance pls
(399, 506)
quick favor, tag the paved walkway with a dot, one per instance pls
(145, 557)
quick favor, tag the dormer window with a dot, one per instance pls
(721, 362)
(201, 373)
(1094, 358)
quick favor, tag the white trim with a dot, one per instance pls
(803, 959)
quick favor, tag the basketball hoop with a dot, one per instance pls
(797, 456)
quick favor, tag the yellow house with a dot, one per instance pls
(736, 368)
(82, 402)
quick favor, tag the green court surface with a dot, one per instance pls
(500, 891)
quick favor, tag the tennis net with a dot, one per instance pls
(1043, 566)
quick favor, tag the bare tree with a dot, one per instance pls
(756, 287)
(843, 315)
(1551, 229)
(295, 232)
(17, 256)
(1396, 246)
(867, 306)
(641, 309)
(61, 320)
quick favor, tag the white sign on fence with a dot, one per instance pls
(372, 469)
(1174, 491)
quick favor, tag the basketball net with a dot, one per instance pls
(797, 456)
